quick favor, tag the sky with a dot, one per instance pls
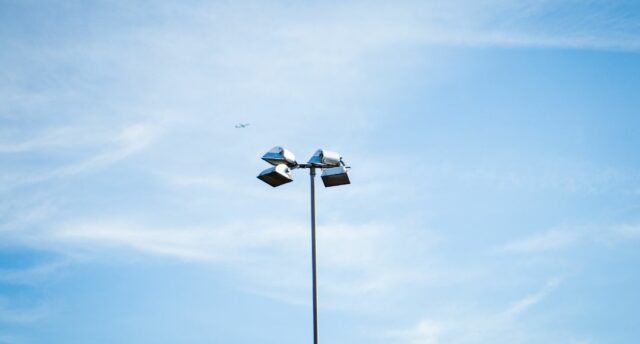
(495, 192)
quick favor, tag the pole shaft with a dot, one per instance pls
(313, 255)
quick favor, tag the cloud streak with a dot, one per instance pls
(355, 260)
(469, 325)
(9, 314)
(568, 237)
(34, 274)
(130, 140)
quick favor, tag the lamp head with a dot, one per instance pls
(278, 155)
(325, 158)
(335, 176)
(276, 175)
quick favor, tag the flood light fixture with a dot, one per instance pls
(335, 176)
(276, 175)
(325, 158)
(278, 155)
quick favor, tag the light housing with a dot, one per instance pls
(335, 176)
(325, 158)
(276, 175)
(278, 155)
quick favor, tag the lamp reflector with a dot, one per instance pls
(278, 155)
(325, 158)
(335, 176)
(276, 175)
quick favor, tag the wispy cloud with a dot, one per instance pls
(33, 274)
(6, 338)
(425, 332)
(567, 237)
(129, 140)
(630, 231)
(471, 325)
(473, 24)
(531, 300)
(14, 314)
(546, 241)
(51, 139)
(354, 259)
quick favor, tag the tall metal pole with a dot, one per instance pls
(313, 254)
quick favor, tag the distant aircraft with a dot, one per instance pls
(242, 125)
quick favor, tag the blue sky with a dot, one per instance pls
(495, 188)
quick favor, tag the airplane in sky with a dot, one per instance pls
(242, 125)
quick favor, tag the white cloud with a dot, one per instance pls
(12, 314)
(52, 138)
(7, 338)
(531, 300)
(33, 274)
(354, 260)
(630, 231)
(567, 237)
(130, 140)
(121, 144)
(546, 241)
(359, 27)
(472, 325)
(425, 332)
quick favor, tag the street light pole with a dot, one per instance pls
(312, 174)
(334, 173)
